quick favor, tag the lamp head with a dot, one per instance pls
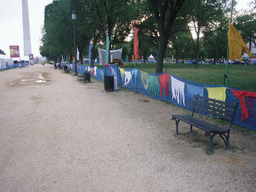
(73, 15)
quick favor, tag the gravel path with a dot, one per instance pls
(59, 134)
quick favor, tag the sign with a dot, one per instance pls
(14, 51)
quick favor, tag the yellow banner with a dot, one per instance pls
(236, 44)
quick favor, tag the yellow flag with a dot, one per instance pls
(236, 44)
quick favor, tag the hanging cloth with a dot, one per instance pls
(249, 105)
(192, 90)
(128, 77)
(144, 79)
(113, 71)
(122, 71)
(164, 83)
(241, 96)
(218, 93)
(95, 71)
(178, 92)
(153, 85)
(92, 72)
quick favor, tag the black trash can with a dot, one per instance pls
(86, 76)
(66, 69)
(109, 83)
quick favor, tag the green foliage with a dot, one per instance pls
(57, 33)
(2, 52)
(164, 27)
(165, 13)
(247, 25)
(204, 15)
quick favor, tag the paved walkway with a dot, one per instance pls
(59, 134)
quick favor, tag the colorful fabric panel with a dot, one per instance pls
(153, 85)
(178, 91)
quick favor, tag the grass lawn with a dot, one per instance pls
(239, 76)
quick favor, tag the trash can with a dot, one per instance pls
(66, 69)
(109, 83)
(86, 76)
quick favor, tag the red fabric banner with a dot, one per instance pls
(241, 96)
(136, 43)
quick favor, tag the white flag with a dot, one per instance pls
(77, 54)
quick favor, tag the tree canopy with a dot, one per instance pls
(165, 25)
(2, 52)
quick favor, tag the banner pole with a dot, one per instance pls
(226, 75)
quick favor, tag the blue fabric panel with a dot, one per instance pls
(190, 91)
(136, 83)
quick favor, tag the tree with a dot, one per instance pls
(203, 14)
(247, 25)
(165, 13)
(112, 18)
(57, 33)
(180, 42)
(2, 52)
(215, 37)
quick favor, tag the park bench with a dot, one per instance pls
(80, 77)
(213, 108)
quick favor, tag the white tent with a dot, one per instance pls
(5, 61)
(151, 58)
(114, 54)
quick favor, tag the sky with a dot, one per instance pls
(11, 30)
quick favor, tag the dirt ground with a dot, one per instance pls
(61, 134)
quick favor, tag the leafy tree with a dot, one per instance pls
(112, 18)
(215, 38)
(246, 24)
(165, 13)
(2, 52)
(203, 14)
(57, 33)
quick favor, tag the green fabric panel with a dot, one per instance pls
(153, 86)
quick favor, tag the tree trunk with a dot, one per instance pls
(197, 48)
(160, 53)
(92, 56)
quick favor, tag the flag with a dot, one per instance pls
(236, 44)
(90, 52)
(136, 43)
(69, 57)
(107, 49)
(77, 54)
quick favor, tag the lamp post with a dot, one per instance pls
(74, 31)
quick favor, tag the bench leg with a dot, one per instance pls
(177, 125)
(191, 128)
(225, 138)
(211, 138)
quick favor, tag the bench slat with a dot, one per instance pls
(214, 100)
(226, 106)
(213, 113)
(211, 109)
(210, 128)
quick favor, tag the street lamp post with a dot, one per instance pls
(74, 31)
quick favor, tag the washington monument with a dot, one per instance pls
(26, 29)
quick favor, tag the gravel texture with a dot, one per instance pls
(61, 134)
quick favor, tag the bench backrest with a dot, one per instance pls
(214, 108)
